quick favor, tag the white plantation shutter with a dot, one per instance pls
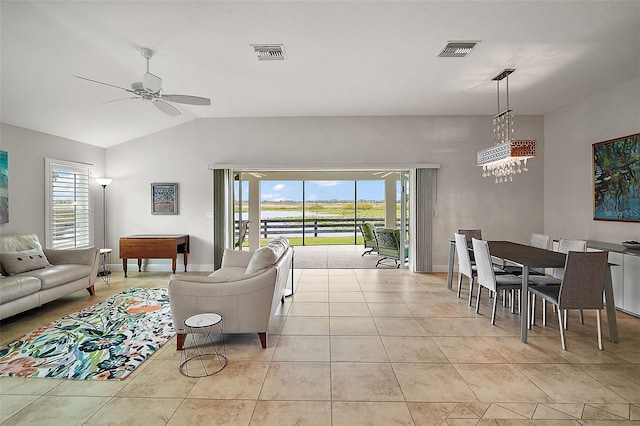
(68, 204)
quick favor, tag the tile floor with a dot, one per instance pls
(333, 257)
(354, 347)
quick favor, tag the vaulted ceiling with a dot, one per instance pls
(343, 58)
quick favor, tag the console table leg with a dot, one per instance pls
(124, 267)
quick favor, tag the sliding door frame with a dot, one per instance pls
(421, 184)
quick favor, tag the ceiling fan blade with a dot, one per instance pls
(121, 99)
(151, 82)
(166, 108)
(105, 84)
(187, 99)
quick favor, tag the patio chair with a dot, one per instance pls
(242, 234)
(368, 230)
(389, 247)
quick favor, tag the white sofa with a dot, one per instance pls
(33, 276)
(246, 291)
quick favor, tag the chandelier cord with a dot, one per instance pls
(507, 92)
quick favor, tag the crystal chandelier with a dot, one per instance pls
(507, 156)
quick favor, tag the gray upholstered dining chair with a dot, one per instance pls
(539, 241)
(488, 278)
(581, 287)
(464, 264)
(469, 234)
(565, 245)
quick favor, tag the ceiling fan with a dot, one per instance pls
(150, 89)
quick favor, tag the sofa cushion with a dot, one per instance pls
(265, 256)
(236, 258)
(16, 287)
(18, 262)
(20, 242)
(56, 275)
(281, 242)
(228, 273)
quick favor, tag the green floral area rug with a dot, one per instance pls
(105, 341)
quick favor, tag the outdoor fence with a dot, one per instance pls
(298, 227)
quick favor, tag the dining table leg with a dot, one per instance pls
(611, 307)
(452, 254)
(524, 306)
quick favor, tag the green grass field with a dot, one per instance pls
(328, 210)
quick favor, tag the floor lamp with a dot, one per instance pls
(104, 182)
(105, 252)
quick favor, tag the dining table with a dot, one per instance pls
(528, 257)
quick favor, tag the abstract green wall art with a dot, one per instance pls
(616, 179)
(4, 187)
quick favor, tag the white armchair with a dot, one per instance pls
(246, 291)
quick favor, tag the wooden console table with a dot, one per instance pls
(153, 247)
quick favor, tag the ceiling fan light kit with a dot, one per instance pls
(150, 89)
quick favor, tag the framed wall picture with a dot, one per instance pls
(164, 198)
(616, 179)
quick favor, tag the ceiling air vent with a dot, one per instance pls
(269, 52)
(457, 49)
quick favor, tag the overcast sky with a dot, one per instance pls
(272, 190)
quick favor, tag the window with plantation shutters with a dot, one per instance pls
(68, 212)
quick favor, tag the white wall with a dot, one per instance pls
(569, 134)
(27, 150)
(182, 154)
(464, 199)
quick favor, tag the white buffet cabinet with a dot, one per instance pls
(625, 277)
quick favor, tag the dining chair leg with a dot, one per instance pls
(459, 284)
(478, 299)
(544, 313)
(470, 289)
(505, 302)
(529, 310)
(566, 318)
(513, 301)
(560, 323)
(533, 310)
(530, 298)
(581, 316)
(493, 311)
(599, 322)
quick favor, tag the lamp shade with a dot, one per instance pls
(103, 181)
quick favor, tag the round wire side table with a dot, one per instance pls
(203, 357)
